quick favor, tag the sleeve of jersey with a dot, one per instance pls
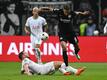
(27, 22)
(44, 22)
(26, 61)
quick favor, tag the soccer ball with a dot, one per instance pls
(96, 33)
(44, 36)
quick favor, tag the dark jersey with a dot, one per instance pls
(66, 32)
(65, 21)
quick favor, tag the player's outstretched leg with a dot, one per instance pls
(75, 71)
(67, 70)
(62, 67)
(38, 55)
(77, 49)
(65, 58)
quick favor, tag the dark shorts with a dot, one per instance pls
(68, 38)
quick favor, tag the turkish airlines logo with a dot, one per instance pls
(47, 48)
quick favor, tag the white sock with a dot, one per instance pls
(63, 66)
(39, 61)
(62, 70)
(71, 69)
(38, 55)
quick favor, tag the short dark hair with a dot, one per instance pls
(20, 55)
(66, 7)
(8, 3)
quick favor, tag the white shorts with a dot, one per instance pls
(35, 40)
(47, 68)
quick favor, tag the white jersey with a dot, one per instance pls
(38, 68)
(36, 25)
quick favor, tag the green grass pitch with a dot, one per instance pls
(94, 71)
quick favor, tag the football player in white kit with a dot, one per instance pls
(35, 26)
(29, 67)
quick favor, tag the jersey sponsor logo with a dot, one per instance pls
(35, 27)
(65, 20)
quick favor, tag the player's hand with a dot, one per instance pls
(28, 73)
(27, 32)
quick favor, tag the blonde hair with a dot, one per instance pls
(35, 8)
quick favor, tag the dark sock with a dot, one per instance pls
(65, 58)
(76, 48)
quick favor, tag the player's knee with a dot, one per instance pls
(64, 47)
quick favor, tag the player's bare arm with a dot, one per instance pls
(26, 70)
(83, 13)
(27, 30)
(45, 27)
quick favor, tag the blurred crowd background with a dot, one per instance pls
(13, 14)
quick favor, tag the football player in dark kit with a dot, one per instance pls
(66, 32)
